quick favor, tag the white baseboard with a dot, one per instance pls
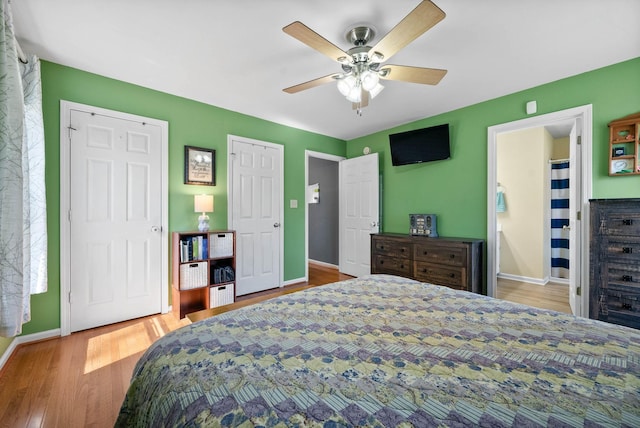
(519, 278)
(317, 262)
(293, 281)
(20, 340)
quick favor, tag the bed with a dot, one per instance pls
(384, 351)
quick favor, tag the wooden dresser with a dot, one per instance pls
(614, 260)
(452, 262)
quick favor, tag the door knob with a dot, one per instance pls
(155, 228)
(276, 224)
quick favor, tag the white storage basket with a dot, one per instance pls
(221, 295)
(193, 275)
(220, 245)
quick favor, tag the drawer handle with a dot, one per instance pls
(381, 262)
(452, 256)
(425, 270)
(627, 250)
(401, 266)
(452, 275)
(425, 253)
(402, 250)
(627, 278)
(627, 222)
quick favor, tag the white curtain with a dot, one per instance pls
(23, 232)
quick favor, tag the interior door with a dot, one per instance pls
(359, 212)
(115, 219)
(575, 224)
(256, 213)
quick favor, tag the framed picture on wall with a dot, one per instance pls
(199, 166)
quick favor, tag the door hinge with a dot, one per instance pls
(579, 139)
(69, 216)
(579, 291)
(69, 296)
(70, 128)
(579, 215)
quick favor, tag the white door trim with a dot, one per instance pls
(582, 114)
(65, 201)
(319, 155)
(230, 221)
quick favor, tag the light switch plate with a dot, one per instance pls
(293, 203)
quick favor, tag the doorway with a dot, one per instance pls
(113, 222)
(321, 209)
(559, 123)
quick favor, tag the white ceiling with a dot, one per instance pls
(233, 53)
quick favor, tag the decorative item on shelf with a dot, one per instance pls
(622, 166)
(618, 151)
(203, 204)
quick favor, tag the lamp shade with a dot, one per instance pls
(203, 203)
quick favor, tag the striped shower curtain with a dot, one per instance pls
(559, 218)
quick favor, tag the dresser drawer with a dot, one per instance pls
(624, 249)
(621, 224)
(391, 265)
(392, 248)
(623, 274)
(442, 275)
(450, 255)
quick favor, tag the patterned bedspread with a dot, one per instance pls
(383, 351)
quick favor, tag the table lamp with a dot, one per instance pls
(203, 204)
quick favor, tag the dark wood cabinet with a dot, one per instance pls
(452, 262)
(614, 287)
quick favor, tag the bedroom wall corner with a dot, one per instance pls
(5, 350)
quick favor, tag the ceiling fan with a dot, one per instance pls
(362, 64)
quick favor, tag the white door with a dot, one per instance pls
(255, 195)
(115, 219)
(575, 224)
(359, 212)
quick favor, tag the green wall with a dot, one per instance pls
(456, 189)
(190, 123)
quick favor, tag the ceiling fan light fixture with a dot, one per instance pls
(377, 57)
(376, 90)
(369, 80)
(346, 85)
(355, 95)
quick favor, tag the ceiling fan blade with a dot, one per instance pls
(314, 40)
(419, 20)
(426, 76)
(364, 100)
(311, 84)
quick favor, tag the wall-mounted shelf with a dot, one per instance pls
(624, 138)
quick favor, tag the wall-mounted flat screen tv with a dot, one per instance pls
(420, 145)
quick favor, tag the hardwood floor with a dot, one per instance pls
(80, 380)
(550, 296)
